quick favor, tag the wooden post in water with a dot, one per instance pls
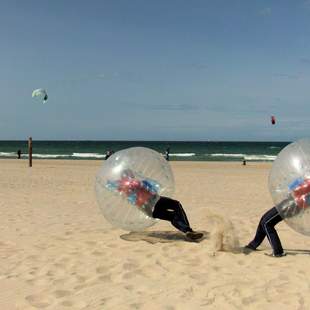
(30, 151)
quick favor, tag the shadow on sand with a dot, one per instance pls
(160, 236)
(297, 252)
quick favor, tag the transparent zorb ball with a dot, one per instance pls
(129, 184)
(289, 179)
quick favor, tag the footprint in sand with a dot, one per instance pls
(136, 306)
(128, 275)
(91, 243)
(80, 279)
(61, 293)
(73, 305)
(97, 253)
(130, 266)
(39, 281)
(64, 259)
(60, 281)
(101, 269)
(129, 287)
(132, 274)
(241, 262)
(105, 278)
(67, 303)
(112, 245)
(33, 257)
(40, 300)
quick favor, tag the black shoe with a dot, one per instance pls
(193, 235)
(279, 254)
(276, 255)
(247, 250)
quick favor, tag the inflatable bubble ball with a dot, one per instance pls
(289, 185)
(129, 184)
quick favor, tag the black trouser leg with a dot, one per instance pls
(171, 210)
(266, 228)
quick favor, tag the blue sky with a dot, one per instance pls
(155, 70)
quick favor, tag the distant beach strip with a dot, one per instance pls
(178, 151)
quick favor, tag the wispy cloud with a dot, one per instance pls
(306, 4)
(287, 76)
(176, 107)
(305, 60)
(265, 11)
(199, 66)
(164, 107)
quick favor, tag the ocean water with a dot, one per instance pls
(186, 151)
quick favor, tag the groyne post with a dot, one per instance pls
(30, 151)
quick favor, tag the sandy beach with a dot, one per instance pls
(58, 252)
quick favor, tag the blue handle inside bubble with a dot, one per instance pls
(295, 183)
